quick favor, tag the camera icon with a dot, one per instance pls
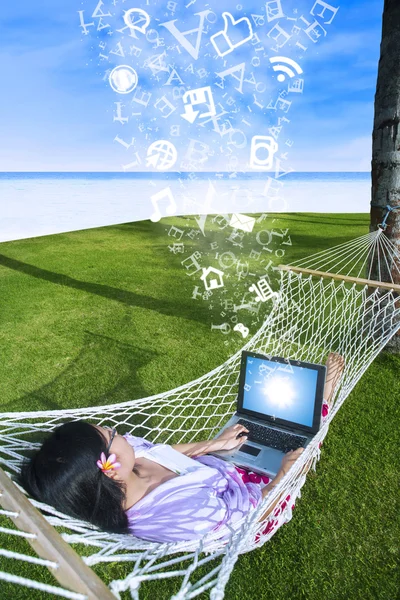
(263, 148)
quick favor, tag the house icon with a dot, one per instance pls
(213, 282)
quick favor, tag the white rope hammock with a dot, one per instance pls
(314, 315)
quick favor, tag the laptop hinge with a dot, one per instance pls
(296, 430)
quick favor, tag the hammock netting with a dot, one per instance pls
(312, 316)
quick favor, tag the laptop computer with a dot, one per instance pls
(280, 402)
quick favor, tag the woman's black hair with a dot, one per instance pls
(63, 473)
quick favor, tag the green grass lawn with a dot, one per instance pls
(106, 315)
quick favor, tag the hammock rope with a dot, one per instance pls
(312, 316)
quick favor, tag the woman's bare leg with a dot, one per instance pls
(334, 369)
(335, 366)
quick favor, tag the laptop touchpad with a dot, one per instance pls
(272, 459)
(246, 449)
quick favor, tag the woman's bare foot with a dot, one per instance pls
(335, 366)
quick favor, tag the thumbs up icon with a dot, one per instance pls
(240, 29)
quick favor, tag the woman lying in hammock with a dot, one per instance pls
(93, 473)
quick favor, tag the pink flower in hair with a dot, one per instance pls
(107, 464)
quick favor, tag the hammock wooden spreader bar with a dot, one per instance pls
(370, 282)
(71, 571)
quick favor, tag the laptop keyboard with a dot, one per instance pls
(272, 437)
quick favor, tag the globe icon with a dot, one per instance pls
(162, 155)
(123, 79)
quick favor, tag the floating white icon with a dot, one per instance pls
(284, 68)
(263, 291)
(242, 222)
(242, 329)
(164, 194)
(193, 98)
(213, 283)
(123, 79)
(162, 155)
(221, 41)
(143, 17)
(224, 328)
(260, 143)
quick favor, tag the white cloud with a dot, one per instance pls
(363, 43)
(351, 155)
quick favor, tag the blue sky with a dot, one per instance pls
(57, 106)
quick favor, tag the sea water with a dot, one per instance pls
(35, 204)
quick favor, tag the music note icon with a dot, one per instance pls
(155, 198)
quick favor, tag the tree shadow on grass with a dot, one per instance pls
(105, 372)
(304, 244)
(333, 223)
(335, 220)
(170, 308)
(307, 245)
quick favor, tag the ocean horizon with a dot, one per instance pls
(293, 175)
(43, 203)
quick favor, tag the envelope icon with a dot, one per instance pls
(242, 222)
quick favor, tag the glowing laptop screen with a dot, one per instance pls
(283, 391)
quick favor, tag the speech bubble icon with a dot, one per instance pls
(142, 17)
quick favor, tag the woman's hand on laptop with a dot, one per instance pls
(228, 439)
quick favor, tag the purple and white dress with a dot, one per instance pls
(208, 493)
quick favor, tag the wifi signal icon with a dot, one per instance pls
(284, 68)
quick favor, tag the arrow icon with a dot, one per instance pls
(162, 155)
(152, 160)
(190, 114)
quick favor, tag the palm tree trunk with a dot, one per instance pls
(385, 165)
